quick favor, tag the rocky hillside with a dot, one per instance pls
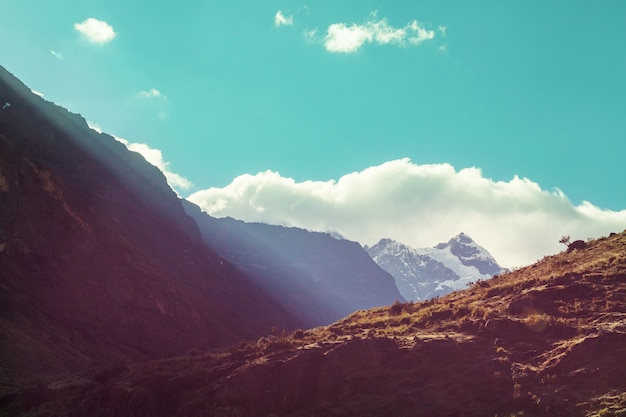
(98, 261)
(545, 340)
(424, 273)
(317, 278)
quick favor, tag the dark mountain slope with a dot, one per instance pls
(317, 278)
(98, 261)
(545, 340)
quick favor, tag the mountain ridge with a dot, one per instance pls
(98, 261)
(424, 273)
(314, 275)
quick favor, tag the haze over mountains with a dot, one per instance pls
(316, 277)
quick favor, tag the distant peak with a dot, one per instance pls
(384, 244)
(337, 236)
(463, 238)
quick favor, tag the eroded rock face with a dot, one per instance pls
(98, 261)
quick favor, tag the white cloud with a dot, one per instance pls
(156, 96)
(310, 35)
(151, 93)
(40, 94)
(96, 31)
(155, 157)
(341, 38)
(346, 39)
(417, 34)
(281, 20)
(420, 205)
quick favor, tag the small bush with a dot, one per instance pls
(396, 309)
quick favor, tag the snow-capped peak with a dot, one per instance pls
(470, 253)
(337, 235)
(425, 272)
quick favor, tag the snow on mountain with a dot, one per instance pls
(471, 254)
(337, 236)
(424, 273)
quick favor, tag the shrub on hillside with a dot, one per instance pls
(396, 309)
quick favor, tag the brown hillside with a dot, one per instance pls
(545, 340)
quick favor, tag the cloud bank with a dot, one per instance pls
(96, 31)
(347, 39)
(420, 205)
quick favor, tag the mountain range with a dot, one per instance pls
(119, 299)
(100, 263)
(424, 273)
(316, 277)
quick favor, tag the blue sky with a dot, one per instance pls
(316, 91)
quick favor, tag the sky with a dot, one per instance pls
(408, 120)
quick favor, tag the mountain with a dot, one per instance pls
(425, 273)
(545, 340)
(98, 261)
(317, 277)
